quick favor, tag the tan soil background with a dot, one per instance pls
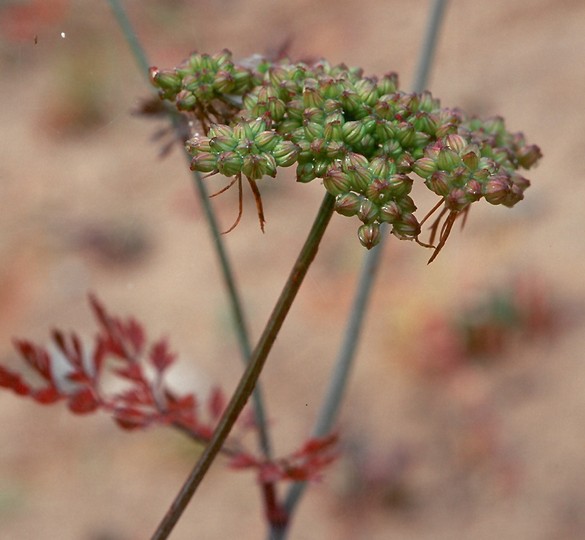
(489, 450)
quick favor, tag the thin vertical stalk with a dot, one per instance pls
(342, 368)
(253, 369)
(239, 319)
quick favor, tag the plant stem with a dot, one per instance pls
(342, 368)
(239, 319)
(253, 370)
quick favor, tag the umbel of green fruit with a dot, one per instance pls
(366, 140)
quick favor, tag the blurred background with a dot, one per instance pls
(465, 417)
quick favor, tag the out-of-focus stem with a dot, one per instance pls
(224, 263)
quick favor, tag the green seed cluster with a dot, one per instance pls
(361, 135)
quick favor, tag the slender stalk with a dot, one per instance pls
(253, 370)
(342, 368)
(239, 319)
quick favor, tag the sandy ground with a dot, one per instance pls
(485, 450)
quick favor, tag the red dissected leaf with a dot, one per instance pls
(100, 312)
(317, 445)
(14, 381)
(37, 357)
(131, 418)
(188, 402)
(136, 397)
(160, 356)
(216, 403)
(46, 396)
(243, 461)
(132, 372)
(134, 334)
(71, 348)
(83, 402)
(79, 377)
(269, 472)
(99, 355)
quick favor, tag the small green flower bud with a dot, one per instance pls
(424, 167)
(390, 212)
(494, 125)
(369, 235)
(355, 160)
(528, 156)
(471, 157)
(224, 82)
(266, 141)
(348, 204)
(448, 159)
(286, 127)
(185, 101)
(305, 172)
(391, 149)
(222, 59)
(318, 146)
(406, 205)
(384, 130)
(405, 134)
(350, 101)
(165, 79)
(455, 142)
(335, 150)
(206, 63)
(519, 181)
(222, 143)
(399, 185)
(204, 162)
(276, 109)
(473, 190)
(277, 75)
(336, 181)
(378, 191)
(285, 153)
(270, 165)
(333, 127)
(366, 90)
(265, 93)
(311, 96)
(314, 114)
(457, 200)
(242, 80)
(229, 163)
(497, 189)
(255, 127)
(313, 131)
(438, 183)
(404, 163)
(249, 101)
(382, 167)
(321, 167)
(426, 123)
(222, 130)
(330, 88)
(198, 144)
(427, 103)
(360, 178)
(295, 109)
(254, 166)
(388, 84)
(353, 131)
(406, 227)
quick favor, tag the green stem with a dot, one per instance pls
(226, 268)
(253, 370)
(342, 368)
